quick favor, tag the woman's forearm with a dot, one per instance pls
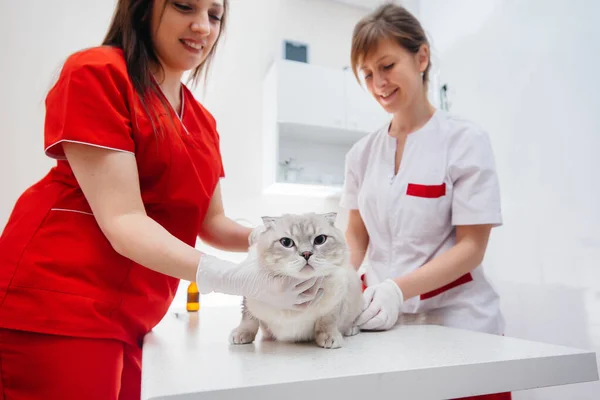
(357, 246)
(141, 239)
(462, 258)
(225, 234)
(357, 238)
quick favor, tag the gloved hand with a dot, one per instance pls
(248, 280)
(382, 306)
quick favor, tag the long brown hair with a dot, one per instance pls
(389, 21)
(130, 31)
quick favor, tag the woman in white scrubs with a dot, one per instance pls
(422, 191)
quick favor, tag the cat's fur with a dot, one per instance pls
(325, 321)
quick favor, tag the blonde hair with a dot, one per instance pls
(388, 21)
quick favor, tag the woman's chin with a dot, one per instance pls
(184, 65)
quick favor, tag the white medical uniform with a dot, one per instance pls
(447, 177)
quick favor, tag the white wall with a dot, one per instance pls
(527, 72)
(36, 39)
(312, 156)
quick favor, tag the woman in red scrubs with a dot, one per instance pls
(92, 254)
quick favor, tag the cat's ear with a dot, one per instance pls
(330, 217)
(269, 222)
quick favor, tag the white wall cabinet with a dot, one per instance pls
(297, 101)
(312, 115)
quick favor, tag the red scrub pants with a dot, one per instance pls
(38, 366)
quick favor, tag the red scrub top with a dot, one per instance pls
(58, 272)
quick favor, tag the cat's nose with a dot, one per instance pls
(307, 255)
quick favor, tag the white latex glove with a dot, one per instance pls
(382, 306)
(248, 280)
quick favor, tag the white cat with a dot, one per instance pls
(306, 245)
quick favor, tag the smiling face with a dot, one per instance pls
(184, 32)
(391, 52)
(392, 74)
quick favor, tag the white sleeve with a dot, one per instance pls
(476, 191)
(349, 198)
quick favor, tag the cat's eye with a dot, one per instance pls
(286, 242)
(319, 240)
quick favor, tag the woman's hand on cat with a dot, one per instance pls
(249, 280)
(382, 306)
(283, 292)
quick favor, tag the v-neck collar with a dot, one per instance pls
(182, 108)
(416, 132)
(182, 105)
(392, 143)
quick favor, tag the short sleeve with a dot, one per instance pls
(219, 157)
(216, 138)
(88, 104)
(476, 192)
(349, 198)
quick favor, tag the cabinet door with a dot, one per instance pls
(363, 113)
(310, 95)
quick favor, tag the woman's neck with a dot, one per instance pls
(170, 85)
(412, 117)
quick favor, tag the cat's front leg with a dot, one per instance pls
(246, 330)
(327, 334)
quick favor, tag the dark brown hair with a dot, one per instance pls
(130, 32)
(388, 21)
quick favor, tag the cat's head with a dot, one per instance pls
(301, 245)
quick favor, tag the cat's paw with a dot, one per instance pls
(353, 330)
(329, 340)
(241, 336)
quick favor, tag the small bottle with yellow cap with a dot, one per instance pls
(193, 298)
